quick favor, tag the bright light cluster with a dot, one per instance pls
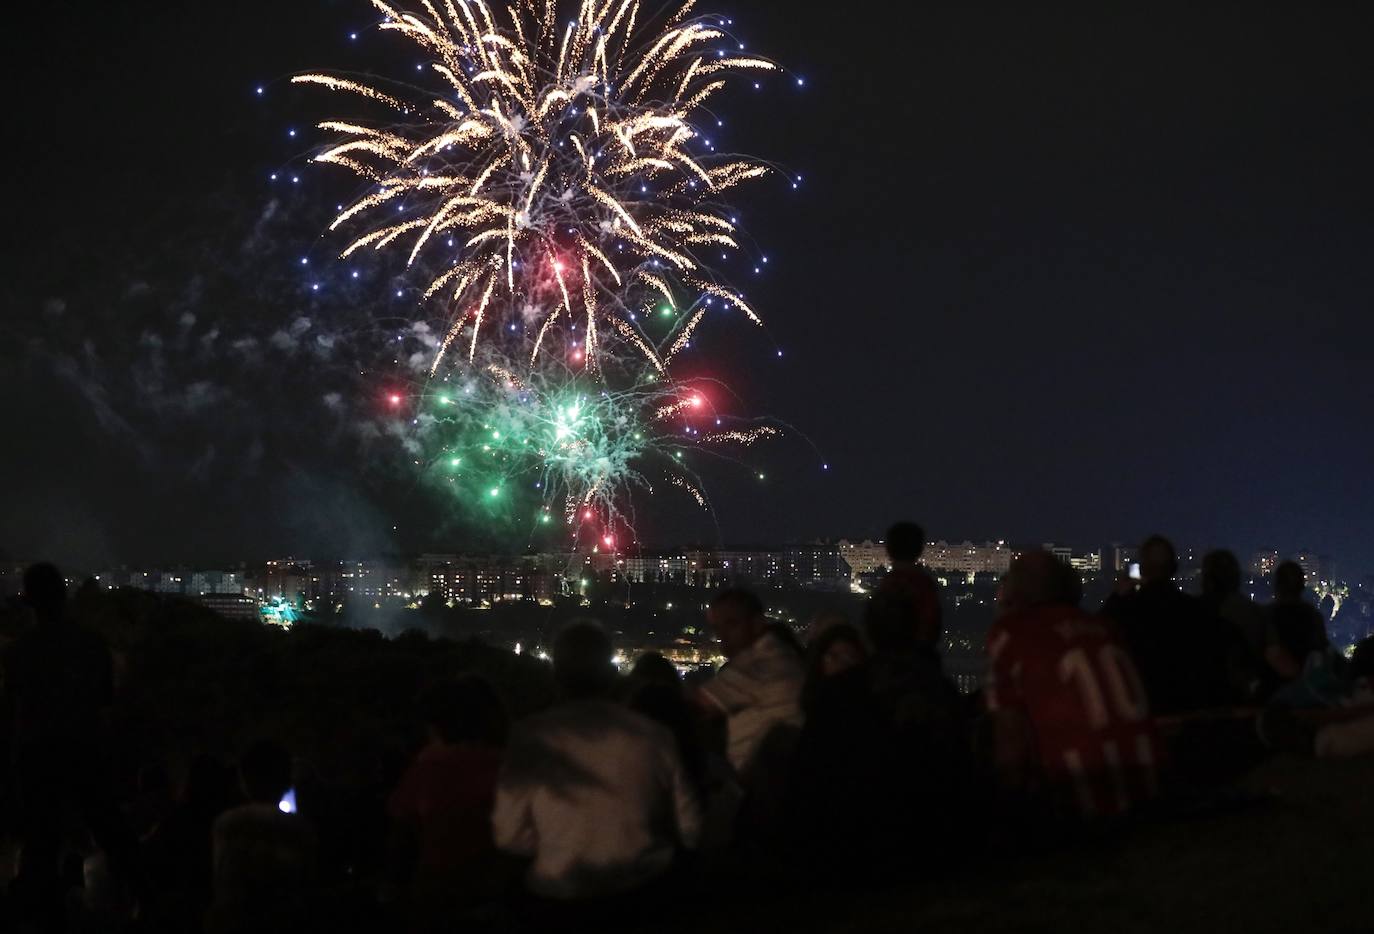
(498, 436)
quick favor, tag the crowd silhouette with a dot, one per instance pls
(850, 755)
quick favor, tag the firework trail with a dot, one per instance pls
(554, 188)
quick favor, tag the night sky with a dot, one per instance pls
(1073, 276)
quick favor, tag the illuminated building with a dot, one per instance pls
(215, 582)
(658, 567)
(967, 558)
(815, 564)
(492, 580)
(863, 557)
(1062, 553)
(1088, 563)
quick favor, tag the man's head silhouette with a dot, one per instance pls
(1158, 560)
(1220, 573)
(582, 660)
(45, 589)
(1290, 581)
(905, 542)
(1038, 578)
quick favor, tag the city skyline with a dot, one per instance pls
(859, 557)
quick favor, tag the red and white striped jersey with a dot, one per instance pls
(1078, 688)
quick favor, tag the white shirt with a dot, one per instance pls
(760, 692)
(262, 858)
(596, 794)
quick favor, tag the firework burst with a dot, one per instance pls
(493, 434)
(556, 192)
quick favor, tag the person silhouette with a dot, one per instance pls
(58, 685)
(907, 580)
(1296, 627)
(1180, 648)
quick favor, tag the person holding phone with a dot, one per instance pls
(264, 853)
(1179, 647)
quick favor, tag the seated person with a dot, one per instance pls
(843, 784)
(1339, 730)
(758, 689)
(264, 853)
(1071, 723)
(928, 754)
(592, 793)
(1310, 672)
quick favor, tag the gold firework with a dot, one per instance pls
(563, 161)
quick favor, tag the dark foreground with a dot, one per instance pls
(1284, 847)
(1292, 858)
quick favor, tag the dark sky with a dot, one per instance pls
(1075, 275)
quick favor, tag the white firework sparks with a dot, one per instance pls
(566, 160)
